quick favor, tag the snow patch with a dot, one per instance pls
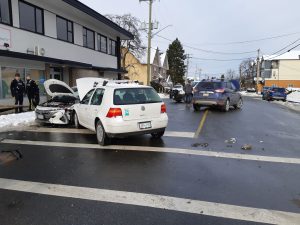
(249, 94)
(163, 96)
(294, 97)
(10, 121)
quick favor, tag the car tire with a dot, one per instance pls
(158, 135)
(239, 105)
(226, 106)
(101, 134)
(76, 121)
(196, 107)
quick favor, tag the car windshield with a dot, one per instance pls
(64, 99)
(131, 96)
(177, 86)
(209, 85)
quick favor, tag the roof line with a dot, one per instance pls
(91, 12)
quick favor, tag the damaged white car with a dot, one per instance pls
(57, 110)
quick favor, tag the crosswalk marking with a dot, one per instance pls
(154, 201)
(160, 149)
(86, 131)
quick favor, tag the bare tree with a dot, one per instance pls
(135, 46)
(231, 74)
(246, 71)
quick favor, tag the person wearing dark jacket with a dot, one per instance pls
(17, 88)
(31, 90)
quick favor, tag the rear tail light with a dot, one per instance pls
(220, 90)
(163, 108)
(114, 112)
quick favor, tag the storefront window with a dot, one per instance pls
(8, 74)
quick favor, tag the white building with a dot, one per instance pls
(61, 39)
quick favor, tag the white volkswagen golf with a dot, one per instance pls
(115, 109)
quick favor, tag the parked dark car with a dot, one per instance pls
(217, 93)
(276, 93)
(265, 92)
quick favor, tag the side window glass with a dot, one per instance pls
(233, 87)
(97, 97)
(87, 97)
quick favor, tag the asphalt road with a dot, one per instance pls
(64, 178)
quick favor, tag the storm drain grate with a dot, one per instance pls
(9, 156)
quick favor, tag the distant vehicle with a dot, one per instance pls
(265, 92)
(57, 110)
(177, 93)
(276, 93)
(118, 109)
(217, 93)
(251, 90)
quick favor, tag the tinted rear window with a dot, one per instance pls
(132, 96)
(279, 90)
(209, 85)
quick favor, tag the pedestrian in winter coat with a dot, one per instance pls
(188, 88)
(17, 88)
(31, 91)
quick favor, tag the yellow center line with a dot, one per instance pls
(197, 133)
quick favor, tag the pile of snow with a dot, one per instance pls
(290, 105)
(16, 120)
(294, 97)
(250, 94)
(163, 96)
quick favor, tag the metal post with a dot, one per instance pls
(258, 70)
(149, 44)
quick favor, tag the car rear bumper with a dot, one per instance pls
(278, 98)
(119, 127)
(209, 102)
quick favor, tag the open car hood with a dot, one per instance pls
(56, 87)
(84, 85)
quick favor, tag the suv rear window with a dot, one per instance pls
(209, 85)
(281, 90)
(132, 96)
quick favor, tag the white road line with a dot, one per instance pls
(85, 131)
(154, 201)
(159, 149)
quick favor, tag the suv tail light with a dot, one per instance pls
(163, 108)
(114, 112)
(220, 90)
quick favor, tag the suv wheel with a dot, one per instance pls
(101, 135)
(158, 135)
(196, 107)
(76, 121)
(239, 105)
(226, 107)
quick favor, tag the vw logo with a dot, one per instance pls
(143, 108)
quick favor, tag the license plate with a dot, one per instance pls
(145, 125)
(205, 95)
(41, 117)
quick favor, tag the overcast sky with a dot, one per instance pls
(211, 24)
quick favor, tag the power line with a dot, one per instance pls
(208, 51)
(274, 54)
(254, 40)
(223, 60)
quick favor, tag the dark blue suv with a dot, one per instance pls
(217, 93)
(276, 93)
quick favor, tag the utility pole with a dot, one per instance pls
(258, 70)
(149, 41)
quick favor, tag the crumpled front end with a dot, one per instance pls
(53, 116)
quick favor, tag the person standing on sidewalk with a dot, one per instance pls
(17, 88)
(188, 88)
(31, 89)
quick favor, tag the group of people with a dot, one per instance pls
(18, 89)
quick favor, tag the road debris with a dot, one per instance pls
(247, 147)
(204, 145)
(9, 156)
(231, 141)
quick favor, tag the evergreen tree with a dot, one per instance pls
(176, 58)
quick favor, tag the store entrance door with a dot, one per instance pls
(56, 73)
